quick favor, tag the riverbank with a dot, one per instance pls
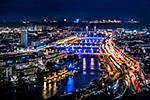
(87, 74)
(34, 88)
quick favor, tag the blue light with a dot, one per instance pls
(101, 91)
(56, 65)
(67, 49)
(115, 88)
(70, 72)
(70, 66)
(26, 38)
(95, 33)
(109, 86)
(77, 20)
(72, 48)
(123, 30)
(83, 50)
(79, 35)
(70, 84)
(39, 47)
(123, 50)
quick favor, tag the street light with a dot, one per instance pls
(103, 84)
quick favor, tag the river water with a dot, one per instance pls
(90, 69)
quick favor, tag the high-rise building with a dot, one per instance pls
(24, 37)
(86, 29)
(35, 28)
(94, 28)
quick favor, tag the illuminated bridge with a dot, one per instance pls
(78, 46)
(95, 38)
(98, 54)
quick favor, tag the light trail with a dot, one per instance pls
(115, 63)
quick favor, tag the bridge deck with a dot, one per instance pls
(99, 54)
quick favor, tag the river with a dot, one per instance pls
(89, 70)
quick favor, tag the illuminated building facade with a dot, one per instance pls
(24, 37)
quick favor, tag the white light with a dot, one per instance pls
(54, 79)
(49, 81)
(44, 84)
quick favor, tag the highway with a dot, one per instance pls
(131, 75)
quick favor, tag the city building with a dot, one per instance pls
(86, 29)
(24, 37)
(94, 28)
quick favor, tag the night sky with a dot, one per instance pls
(37, 10)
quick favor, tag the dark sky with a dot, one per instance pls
(18, 10)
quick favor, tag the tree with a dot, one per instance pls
(76, 57)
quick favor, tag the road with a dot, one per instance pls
(133, 80)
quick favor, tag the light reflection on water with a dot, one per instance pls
(54, 88)
(44, 92)
(92, 64)
(84, 63)
(70, 84)
(92, 73)
(84, 72)
(89, 71)
(49, 90)
(70, 80)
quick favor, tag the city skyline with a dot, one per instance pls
(37, 10)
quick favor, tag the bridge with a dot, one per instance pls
(98, 54)
(95, 38)
(78, 46)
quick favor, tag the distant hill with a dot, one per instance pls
(13, 24)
